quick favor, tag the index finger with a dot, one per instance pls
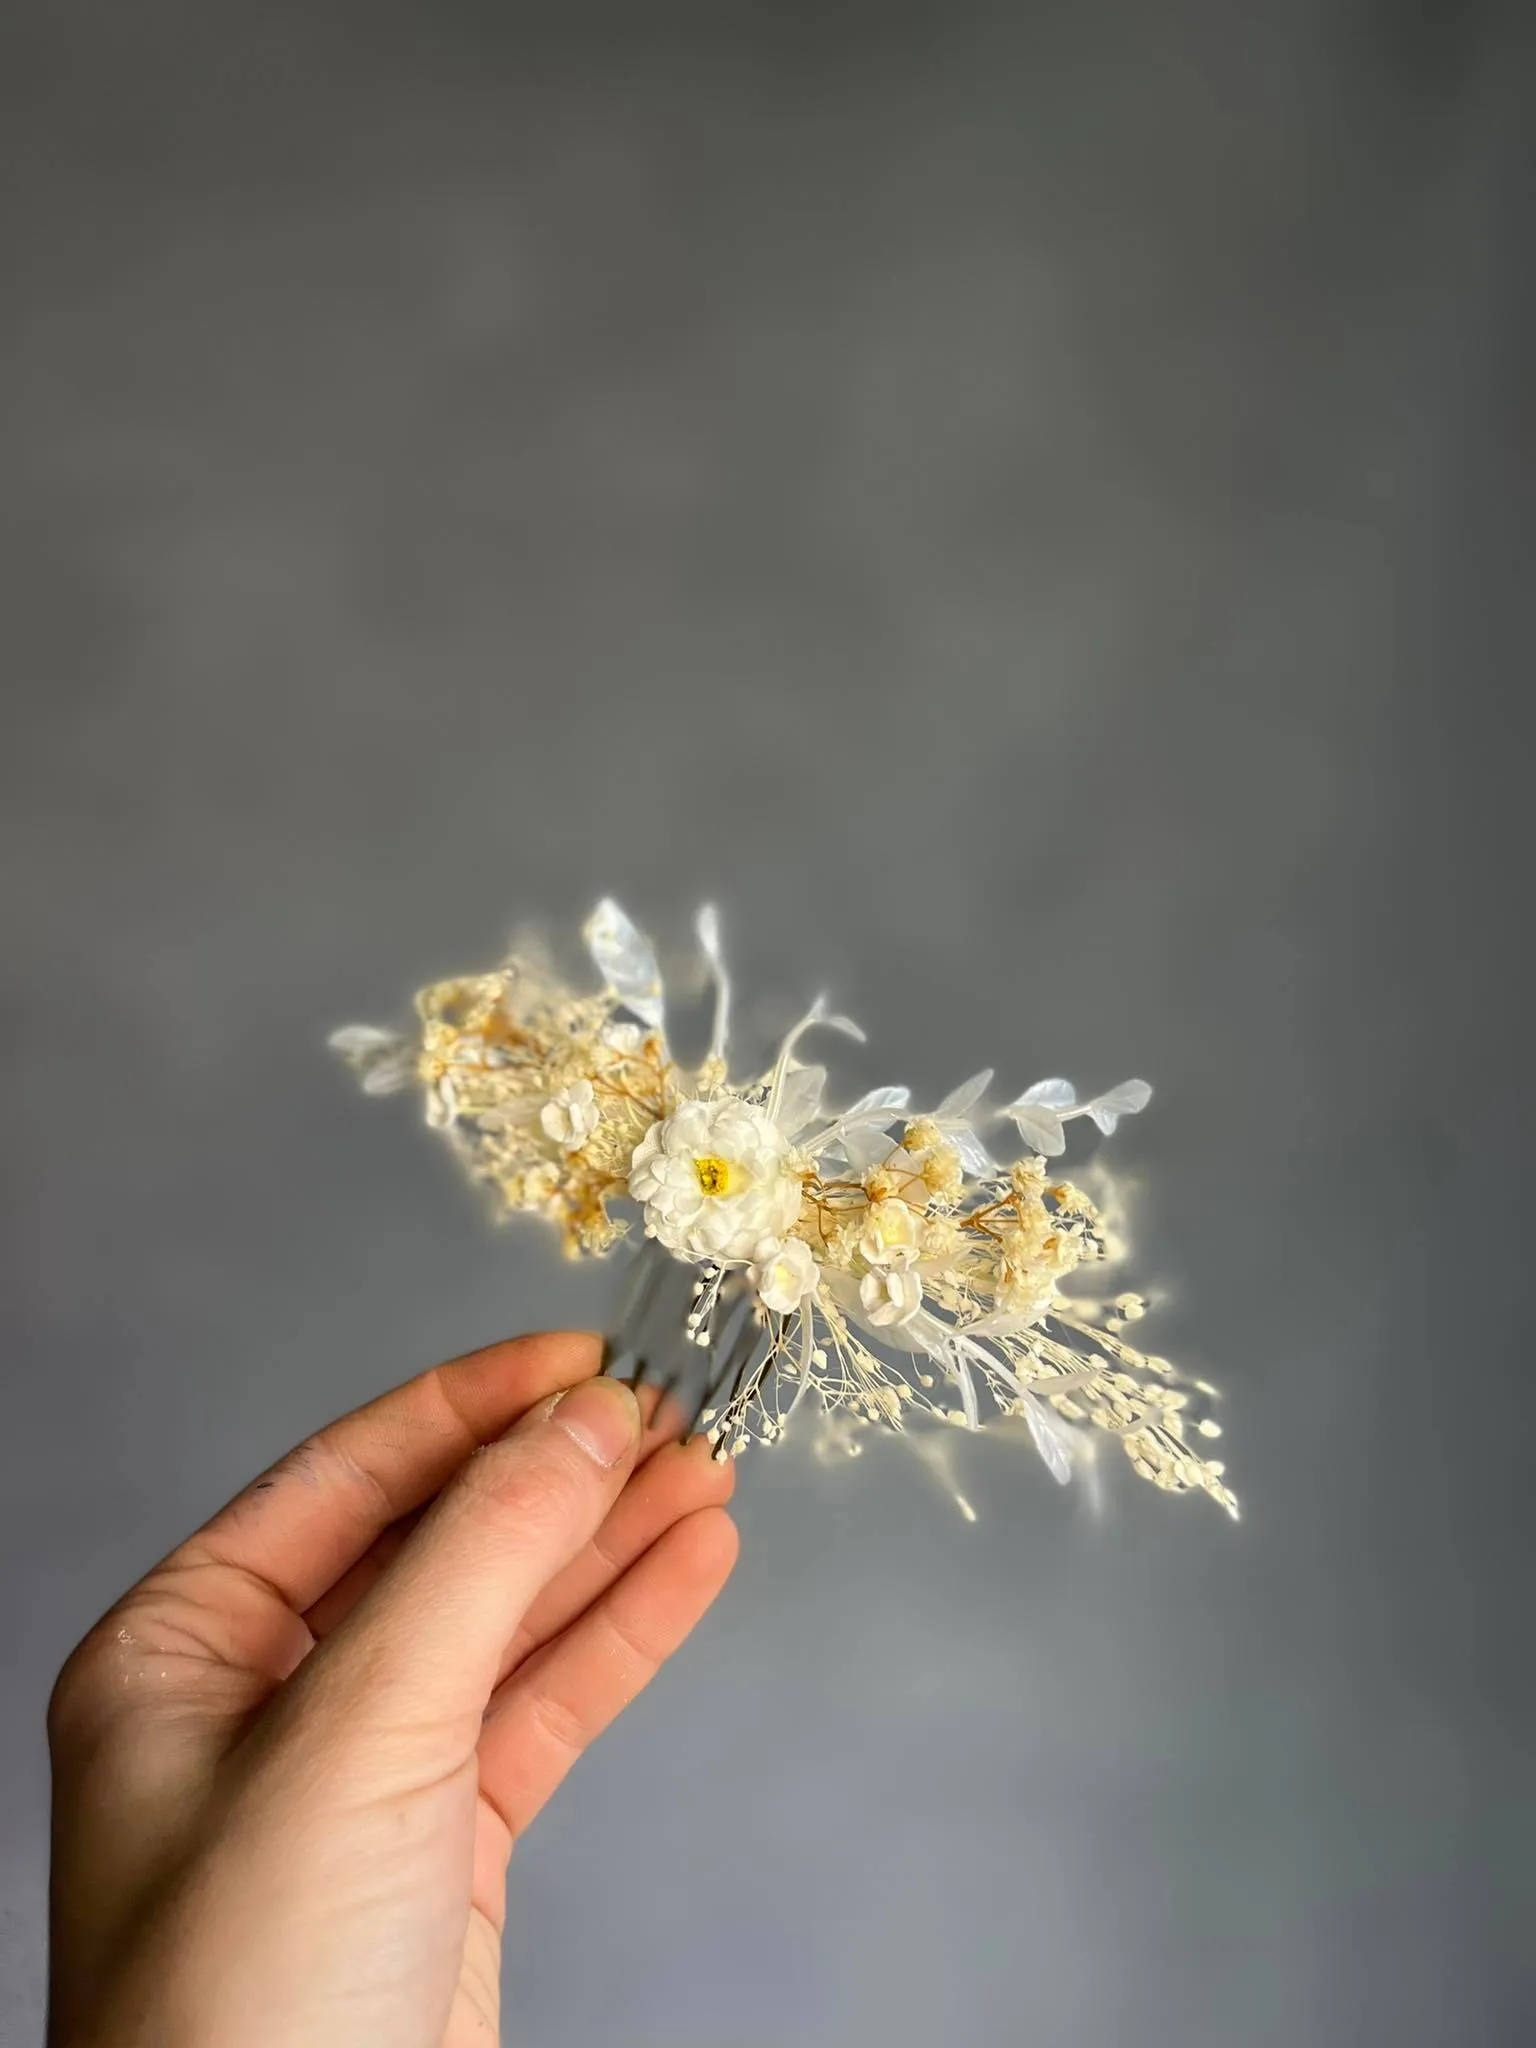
(305, 1522)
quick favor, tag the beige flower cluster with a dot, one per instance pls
(883, 1264)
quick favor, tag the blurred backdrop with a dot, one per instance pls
(1025, 506)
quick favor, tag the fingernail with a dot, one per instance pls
(601, 1416)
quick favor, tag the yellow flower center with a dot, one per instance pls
(714, 1174)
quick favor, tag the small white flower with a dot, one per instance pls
(571, 1115)
(890, 1296)
(892, 1234)
(716, 1180)
(786, 1275)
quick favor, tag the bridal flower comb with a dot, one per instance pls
(878, 1264)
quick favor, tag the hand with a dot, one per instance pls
(291, 1763)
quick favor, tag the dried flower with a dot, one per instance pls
(571, 1115)
(942, 1237)
(892, 1234)
(890, 1296)
(785, 1276)
(892, 1279)
(942, 1173)
(716, 1180)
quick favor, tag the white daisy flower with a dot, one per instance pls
(716, 1178)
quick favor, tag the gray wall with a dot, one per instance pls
(1022, 504)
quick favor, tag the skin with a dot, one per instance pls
(290, 1765)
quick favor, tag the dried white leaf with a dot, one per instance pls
(865, 1145)
(949, 1351)
(391, 1072)
(1124, 1100)
(959, 1372)
(991, 1364)
(1049, 1441)
(1127, 1098)
(384, 1061)
(964, 1098)
(816, 1014)
(1039, 1127)
(800, 1098)
(1000, 1323)
(974, 1156)
(624, 959)
(1054, 1094)
(949, 1356)
(355, 1040)
(879, 1105)
(708, 927)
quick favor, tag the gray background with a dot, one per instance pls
(1023, 505)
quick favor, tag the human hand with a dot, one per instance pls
(291, 1764)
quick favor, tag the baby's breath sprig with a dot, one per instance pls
(879, 1265)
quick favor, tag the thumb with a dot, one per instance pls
(424, 1645)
